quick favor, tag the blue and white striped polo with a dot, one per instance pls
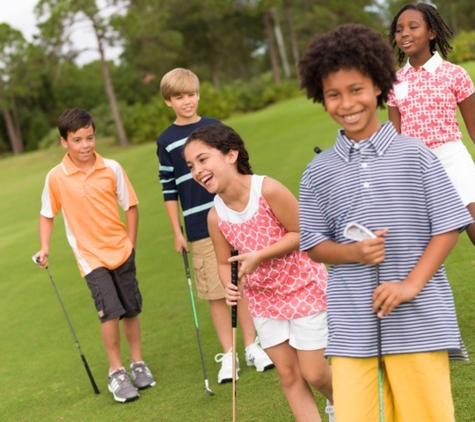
(388, 181)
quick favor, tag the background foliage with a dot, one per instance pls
(233, 46)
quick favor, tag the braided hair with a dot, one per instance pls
(434, 22)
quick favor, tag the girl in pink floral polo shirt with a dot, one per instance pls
(424, 101)
(286, 290)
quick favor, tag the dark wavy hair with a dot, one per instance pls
(434, 22)
(225, 139)
(74, 119)
(348, 47)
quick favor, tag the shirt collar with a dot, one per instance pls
(70, 168)
(379, 141)
(430, 65)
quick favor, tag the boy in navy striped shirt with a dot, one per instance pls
(395, 186)
(180, 89)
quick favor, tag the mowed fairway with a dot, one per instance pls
(42, 376)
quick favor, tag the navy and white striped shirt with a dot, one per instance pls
(177, 182)
(388, 181)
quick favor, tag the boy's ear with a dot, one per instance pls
(64, 142)
(377, 90)
(168, 103)
(432, 34)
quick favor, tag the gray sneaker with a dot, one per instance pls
(121, 386)
(141, 375)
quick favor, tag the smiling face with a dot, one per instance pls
(209, 166)
(351, 99)
(413, 36)
(185, 106)
(80, 146)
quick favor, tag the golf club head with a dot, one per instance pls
(208, 391)
(357, 232)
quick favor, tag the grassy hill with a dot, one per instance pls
(42, 376)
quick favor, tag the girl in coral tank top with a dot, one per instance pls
(258, 216)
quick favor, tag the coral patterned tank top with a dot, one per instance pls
(288, 287)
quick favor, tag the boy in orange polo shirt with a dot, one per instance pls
(87, 188)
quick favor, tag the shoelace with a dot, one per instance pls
(121, 376)
(254, 350)
(220, 356)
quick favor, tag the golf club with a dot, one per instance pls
(358, 232)
(76, 341)
(203, 366)
(234, 280)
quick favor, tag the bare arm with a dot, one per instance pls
(284, 205)
(370, 251)
(395, 116)
(45, 231)
(467, 108)
(390, 294)
(132, 223)
(173, 213)
(222, 249)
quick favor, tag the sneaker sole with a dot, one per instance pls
(123, 399)
(262, 369)
(146, 386)
(228, 380)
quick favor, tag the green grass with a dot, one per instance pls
(42, 376)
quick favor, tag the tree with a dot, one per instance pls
(61, 16)
(290, 26)
(12, 45)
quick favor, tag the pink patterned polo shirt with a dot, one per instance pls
(288, 287)
(427, 99)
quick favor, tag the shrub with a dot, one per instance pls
(464, 47)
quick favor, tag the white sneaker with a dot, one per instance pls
(225, 374)
(330, 412)
(255, 356)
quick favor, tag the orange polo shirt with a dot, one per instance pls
(88, 202)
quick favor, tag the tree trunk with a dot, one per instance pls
(280, 43)
(15, 142)
(16, 120)
(271, 46)
(293, 39)
(215, 76)
(123, 141)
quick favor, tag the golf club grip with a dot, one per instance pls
(234, 280)
(185, 261)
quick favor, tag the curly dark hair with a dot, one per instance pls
(434, 22)
(225, 139)
(348, 47)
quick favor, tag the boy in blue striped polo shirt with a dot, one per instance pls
(395, 186)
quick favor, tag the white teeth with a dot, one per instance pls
(351, 117)
(205, 179)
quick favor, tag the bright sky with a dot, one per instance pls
(19, 15)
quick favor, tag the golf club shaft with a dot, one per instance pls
(234, 280)
(380, 359)
(195, 317)
(78, 346)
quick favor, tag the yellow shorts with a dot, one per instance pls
(208, 283)
(416, 387)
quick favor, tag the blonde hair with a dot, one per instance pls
(179, 81)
